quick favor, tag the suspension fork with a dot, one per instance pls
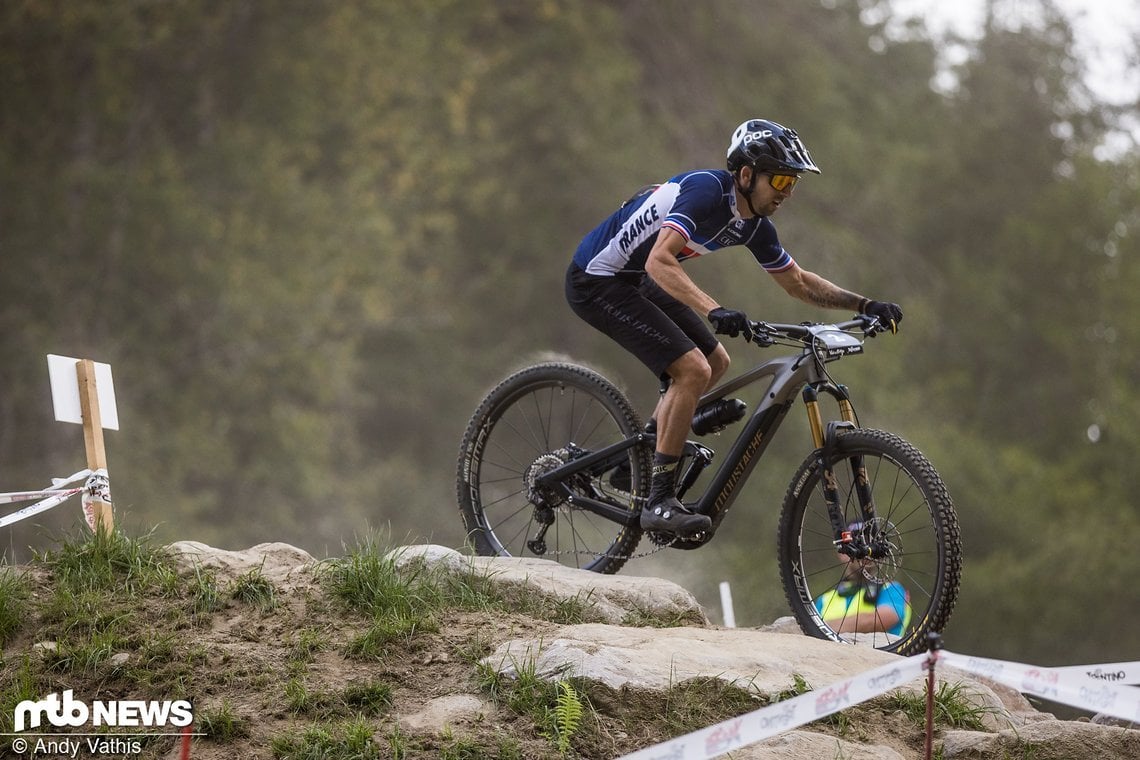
(825, 439)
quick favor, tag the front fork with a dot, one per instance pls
(824, 438)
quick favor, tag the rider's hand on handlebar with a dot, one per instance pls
(730, 322)
(888, 314)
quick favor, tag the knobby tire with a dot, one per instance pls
(536, 419)
(915, 517)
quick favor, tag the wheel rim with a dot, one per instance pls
(907, 550)
(538, 429)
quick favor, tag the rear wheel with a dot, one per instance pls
(535, 421)
(913, 547)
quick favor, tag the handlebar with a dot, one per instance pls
(768, 333)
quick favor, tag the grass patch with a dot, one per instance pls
(205, 596)
(557, 708)
(104, 562)
(254, 589)
(363, 699)
(15, 591)
(953, 707)
(346, 741)
(370, 580)
(386, 634)
(221, 723)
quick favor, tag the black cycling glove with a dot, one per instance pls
(889, 314)
(730, 322)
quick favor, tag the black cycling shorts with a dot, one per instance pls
(637, 313)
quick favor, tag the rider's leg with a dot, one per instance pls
(664, 512)
(718, 362)
(691, 375)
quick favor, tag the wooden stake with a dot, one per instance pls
(93, 437)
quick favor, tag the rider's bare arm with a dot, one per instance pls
(666, 271)
(809, 287)
(884, 618)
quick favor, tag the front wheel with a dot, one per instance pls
(906, 585)
(536, 420)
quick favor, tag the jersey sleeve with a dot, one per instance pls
(895, 596)
(765, 247)
(698, 197)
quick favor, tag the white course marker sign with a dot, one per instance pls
(83, 392)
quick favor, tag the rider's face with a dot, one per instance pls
(765, 197)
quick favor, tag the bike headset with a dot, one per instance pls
(767, 147)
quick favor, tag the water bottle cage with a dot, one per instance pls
(694, 458)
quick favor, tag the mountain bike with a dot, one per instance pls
(555, 463)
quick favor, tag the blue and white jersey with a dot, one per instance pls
(701, 206)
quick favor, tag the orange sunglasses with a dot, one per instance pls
(783, 182)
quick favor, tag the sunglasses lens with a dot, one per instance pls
(783, 182)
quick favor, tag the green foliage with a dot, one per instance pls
(347, 741)
(14, 593)
(101, 562)
(255, 589)
(954, 707)
(366, 698)
(567, 715)
(221, 723)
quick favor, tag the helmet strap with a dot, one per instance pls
(747, 193)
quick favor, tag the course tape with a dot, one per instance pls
(1099, 688)
(783, 716)
(96, 484)
(1087, 687)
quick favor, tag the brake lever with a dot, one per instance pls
(872, 326)
(761, 334)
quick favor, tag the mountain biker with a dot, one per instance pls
(858, 604)
(626, 280)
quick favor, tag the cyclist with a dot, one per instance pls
(626, 280)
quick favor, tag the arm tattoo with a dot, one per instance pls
(830, 296)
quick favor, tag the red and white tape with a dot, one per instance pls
(1099, 688)
(767, 722)
(97, 486)
(1103, 689)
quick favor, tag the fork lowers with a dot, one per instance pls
(717, 415)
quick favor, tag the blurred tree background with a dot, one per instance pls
(309, 236)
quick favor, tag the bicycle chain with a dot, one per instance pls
(658, 547)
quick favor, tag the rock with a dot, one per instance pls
(1045, 740)
(444, 713)
(614, 599)
(278, 562)
(45, 647)
(805, 744)
(658, 658)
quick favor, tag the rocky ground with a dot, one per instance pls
(531, 660)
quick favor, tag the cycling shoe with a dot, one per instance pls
(671, 516)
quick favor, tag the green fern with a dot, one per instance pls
(567, 715)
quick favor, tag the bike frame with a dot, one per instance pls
(787, 376)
